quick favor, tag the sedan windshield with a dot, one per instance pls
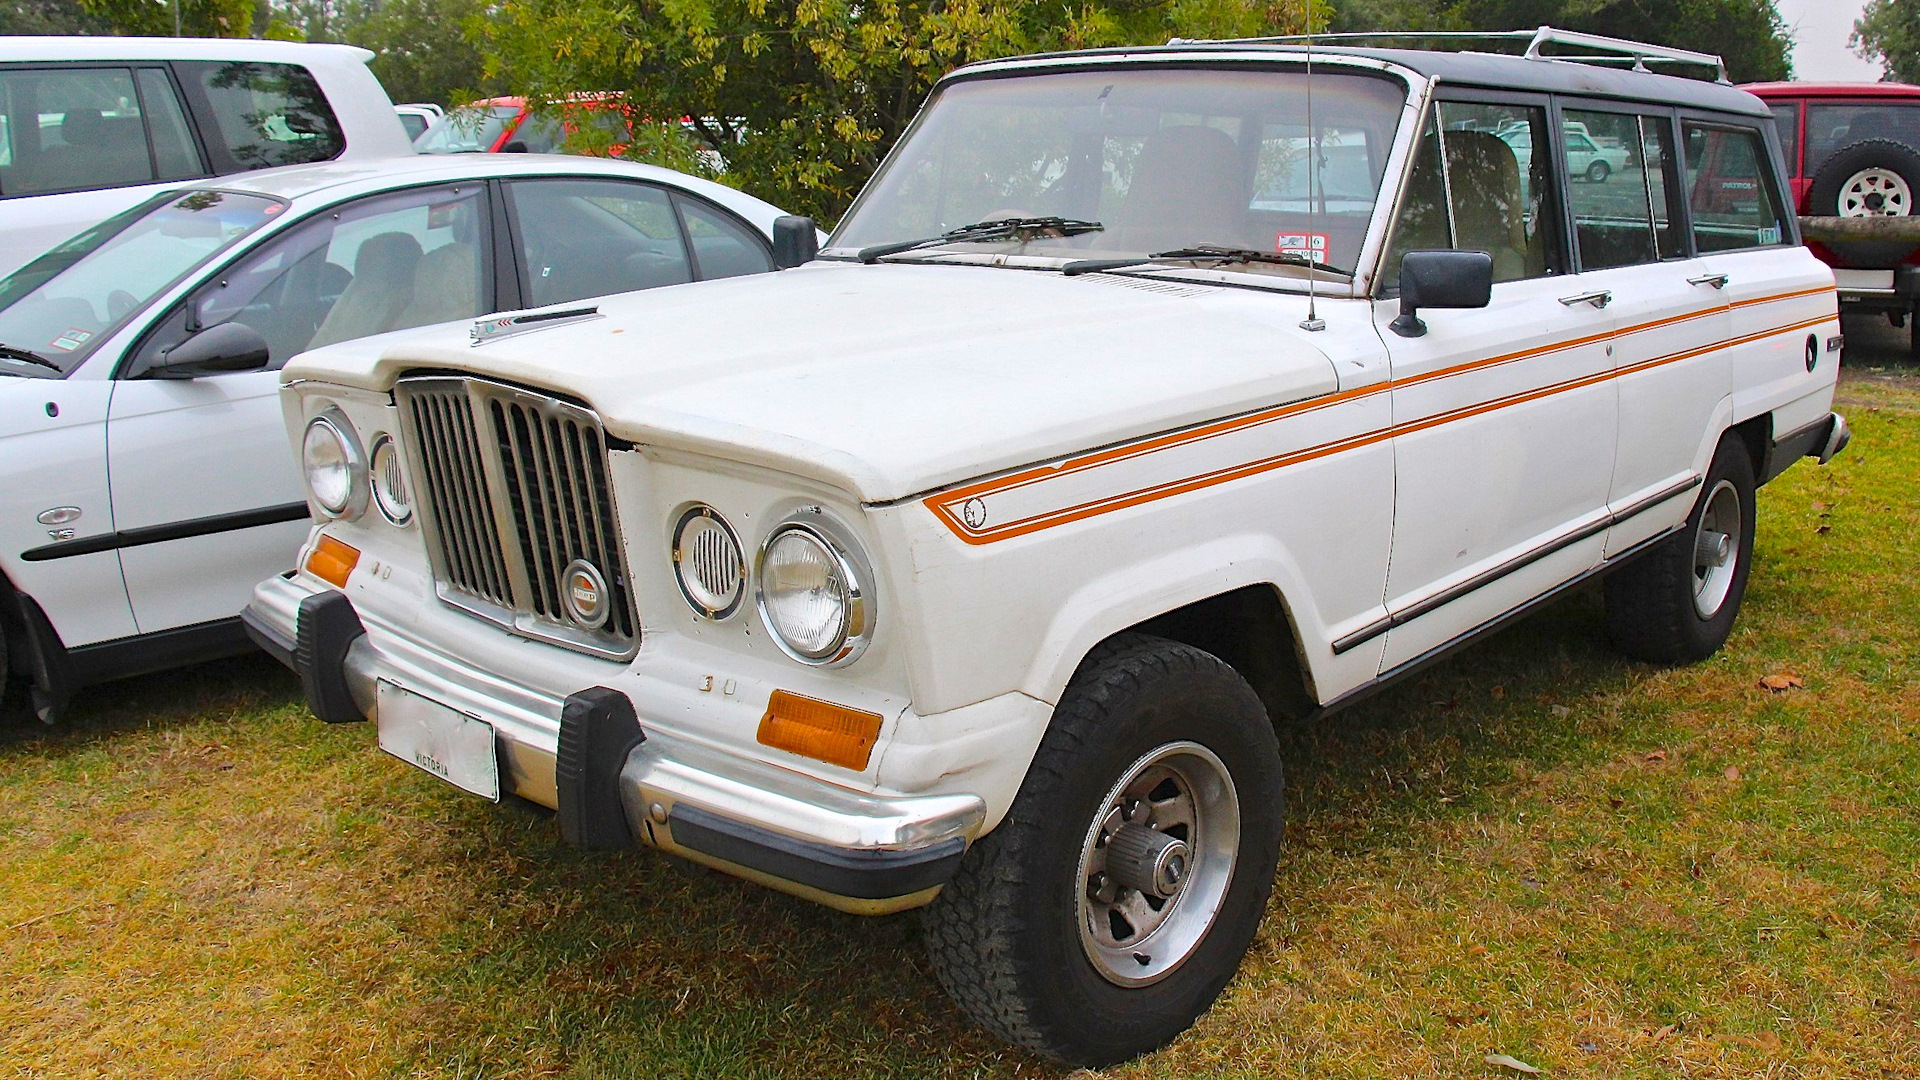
(62, 305)
(1163, 158)
(470, 129)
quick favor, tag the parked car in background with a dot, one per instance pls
(90, 126)
(418, 116)
(145, 480)
(1853, 150)
(509, 125)
(971, 565)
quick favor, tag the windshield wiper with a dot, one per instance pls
(1001, 229)
(1206, 253)
(8, 352)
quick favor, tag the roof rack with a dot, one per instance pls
(1619, 50)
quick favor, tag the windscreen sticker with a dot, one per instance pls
(71, 340)
(441, 216)
(1311, 245)
(1770, 234)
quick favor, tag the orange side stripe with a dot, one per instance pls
(943, 505)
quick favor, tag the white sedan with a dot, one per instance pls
(145, 479)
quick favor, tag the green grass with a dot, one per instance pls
(1537, 849)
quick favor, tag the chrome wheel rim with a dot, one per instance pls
(1716, 549)
(1155, 863)
(1875, 193)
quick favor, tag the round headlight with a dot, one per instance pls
(390, 482)
(812, 596)
(336, 472)
(708, 563)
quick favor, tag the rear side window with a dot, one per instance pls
(263, 114)
(81, 128)
(1617, 165)
(1729, 190)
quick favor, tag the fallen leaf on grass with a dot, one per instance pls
(1656, 755)
(1732, 773)
(1781, 682)
(1513, 1063)
(1664, 1032)
(1562, 710)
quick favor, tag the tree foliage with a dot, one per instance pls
(802, 98)
(1889, 31)
(1749, 34)
(424, 49)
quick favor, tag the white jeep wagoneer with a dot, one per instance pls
(1143, 398)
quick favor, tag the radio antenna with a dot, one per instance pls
(1313, 321)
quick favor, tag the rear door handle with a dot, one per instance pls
(1598, 299)
(1718, 281)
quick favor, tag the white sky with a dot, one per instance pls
(1820, 29)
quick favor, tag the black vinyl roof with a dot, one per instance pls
(1487, 70)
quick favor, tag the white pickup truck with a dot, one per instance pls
(970, 564)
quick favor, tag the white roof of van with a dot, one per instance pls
(17, 49)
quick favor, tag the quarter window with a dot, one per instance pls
(1729, 190)
(722, 247)
(1617, 167)
(77, 129)
(1487, 190)
(265, 114)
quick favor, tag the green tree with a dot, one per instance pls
(1889, 31)
(423, 49)
(801, 98)
(135, 18)
(1747, 33)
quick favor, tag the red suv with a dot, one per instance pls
(1853, 150)
(508, 125)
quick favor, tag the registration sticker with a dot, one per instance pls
(1312, 245)
(71, 340)
(441, 216)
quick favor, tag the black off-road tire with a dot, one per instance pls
(1003, 936)
(1823, 199)
(1651, 613)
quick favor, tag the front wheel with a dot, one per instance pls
(1113, 904)
(1598, 172)
(1676, 604)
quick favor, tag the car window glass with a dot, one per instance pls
(470, 129)
(266, 114)
(388, 263)
(1786, 118)
(72, 129)
(174, 156)
(1727, 188)
(414, 123)
(1617, 188)
(722, 246)
(1662, 172)
(1833, 128)
(581, 238)
(1492, 194)
(540, 133)
(63, 304)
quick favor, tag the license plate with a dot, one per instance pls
(445, 742)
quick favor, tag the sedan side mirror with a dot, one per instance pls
(1441, 279)
(795, 241)
(228, 347)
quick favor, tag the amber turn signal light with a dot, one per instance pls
(331, 561)
(819, 729)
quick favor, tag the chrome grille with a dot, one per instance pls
(516, 491)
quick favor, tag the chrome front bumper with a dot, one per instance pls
(852, 850)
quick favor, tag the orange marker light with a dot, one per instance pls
(819, 729)
(331, 561)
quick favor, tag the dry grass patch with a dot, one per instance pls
(1539, 850)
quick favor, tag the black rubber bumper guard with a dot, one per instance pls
(324, 630)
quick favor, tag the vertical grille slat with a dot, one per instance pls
(517, 488)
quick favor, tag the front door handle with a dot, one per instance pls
(1598, 299)
(1718, 281)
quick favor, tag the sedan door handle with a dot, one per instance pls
(1718, 281)
(1597, 299)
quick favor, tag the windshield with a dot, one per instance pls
(63, 304)
(1164, 157)
(469, 129)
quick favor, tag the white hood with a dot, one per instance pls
(890, 380)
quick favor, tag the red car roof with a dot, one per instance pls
(1780, 91)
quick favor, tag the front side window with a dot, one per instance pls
(62, 305)
(265, 114)
(1479, 185)
(77, 129)
(581, 238)
(1728, 189)
(1619, 188)
(1164, 158)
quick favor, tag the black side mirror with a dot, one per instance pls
(230, 346)
(514, 147)
(1441, 279)
(795, 241)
